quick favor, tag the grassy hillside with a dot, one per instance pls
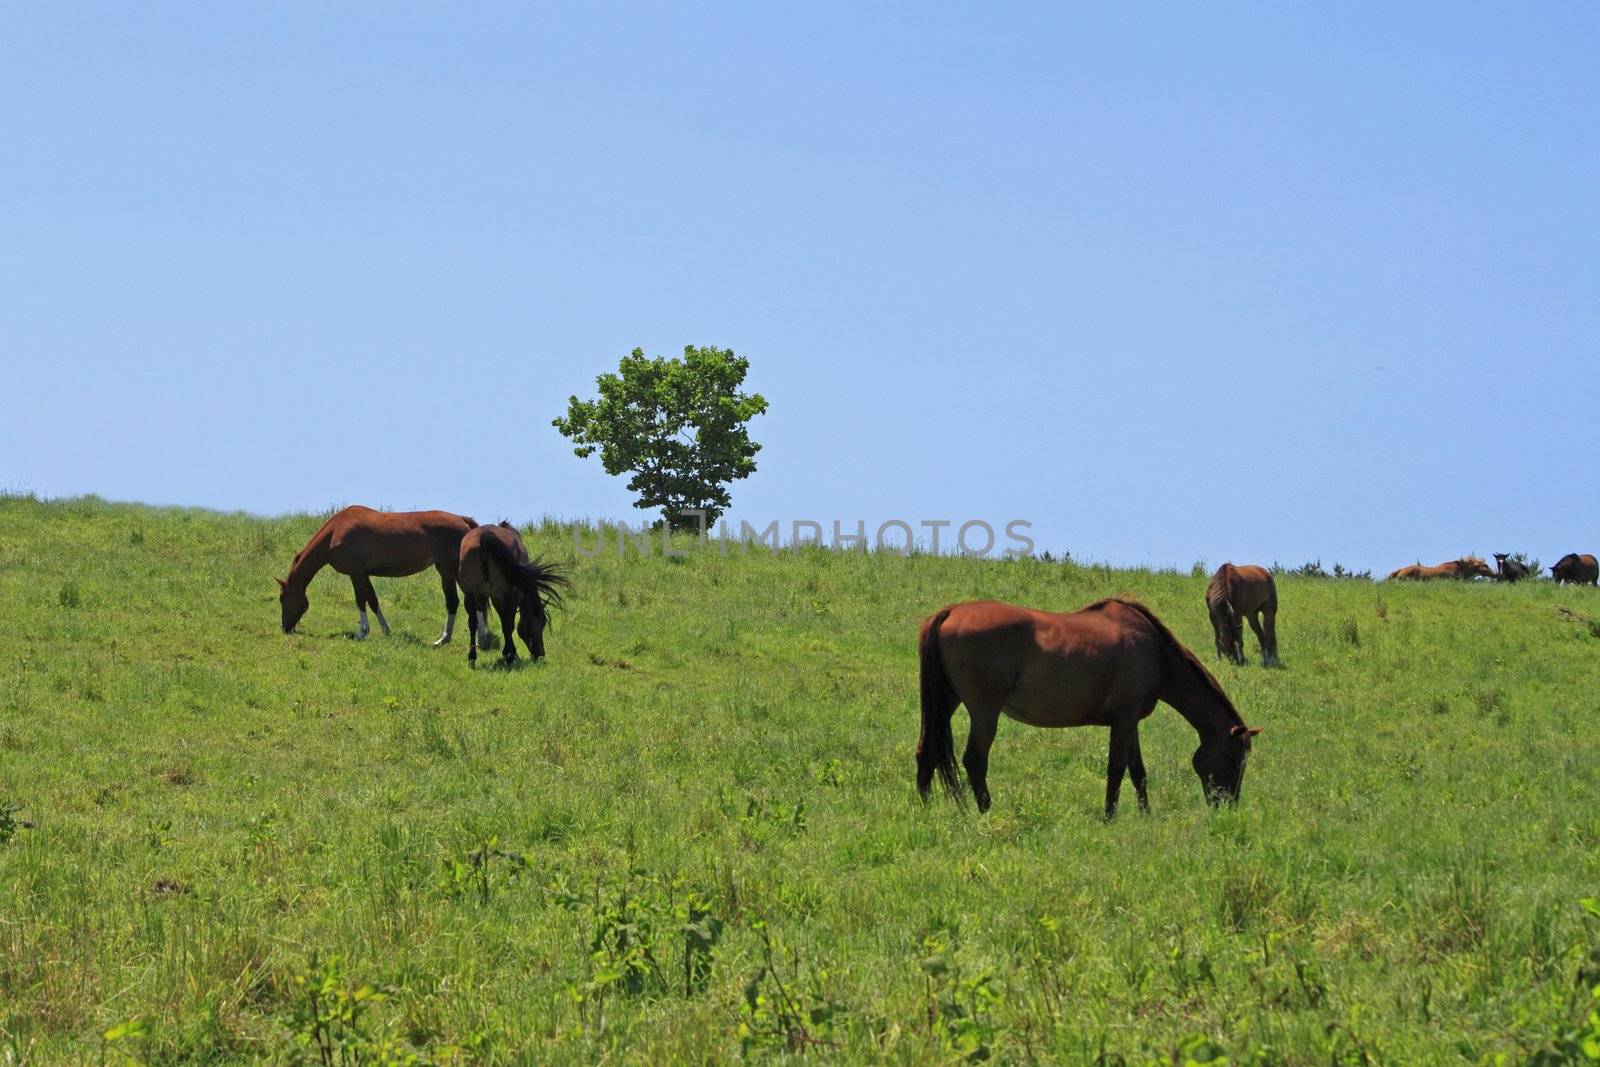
(692, 831)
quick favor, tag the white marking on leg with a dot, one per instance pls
(449, 630)
(383, 622)
(361, 632)
(483, 628)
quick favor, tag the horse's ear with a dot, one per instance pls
(1245, 731)
(281, 583)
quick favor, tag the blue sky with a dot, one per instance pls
(1257, 282)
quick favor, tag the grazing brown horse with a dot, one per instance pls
(1246, 592)
(494, 566)
(1106, 665)
(368, 544)
(1466, 568)
(1580, 569)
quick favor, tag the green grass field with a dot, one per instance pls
(692, 834)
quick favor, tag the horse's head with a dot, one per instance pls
(1228, 630)
(1220, 760)
(535, 620)
(1473, 567)
(294, 603)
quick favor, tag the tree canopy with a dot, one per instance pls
(680, 426)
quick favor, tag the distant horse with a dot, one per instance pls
(1246, 592)
(1579, 569)
(1465, 568)
(494, 566)
(1508, 569)
(1105, 665)
(367, 544)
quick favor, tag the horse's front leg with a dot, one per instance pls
(1124, 735)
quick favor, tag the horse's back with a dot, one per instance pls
(477, 570)
(1051, 669)
(1248, 588)
(395, 543)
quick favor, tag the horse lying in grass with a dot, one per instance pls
(1579, 569)
(367, 544)
(494, 567)
(1243, 592)
(1466, 568)
(1105, 665)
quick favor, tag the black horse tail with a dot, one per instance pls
(937, 749)
(538, 580)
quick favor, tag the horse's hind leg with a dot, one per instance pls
(1254, 619)
(980, 737)
(1136, 772)
(364, 591)
(1124, 736)
(451, 603)
(472, 630)
(361, 609)
(1269, 648)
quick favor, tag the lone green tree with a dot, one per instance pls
(679, 425)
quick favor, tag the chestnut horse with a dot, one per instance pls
(1583, 570)
(367, 544)
(1105, 665)
(1246, 592)
(1465, 568)
(494, 566)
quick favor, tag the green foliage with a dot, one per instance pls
(1313, 569)
(786, 1006)
(635, 931)
(679, 425)
(961, 1016)
(9, 823)
(477, 871)
(330, 1020)
(1578, 1041)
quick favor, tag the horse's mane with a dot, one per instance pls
(1220, 588)
(298, 556)
(1182, 652)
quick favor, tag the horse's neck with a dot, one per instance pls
(1195, 700)
(311, 559)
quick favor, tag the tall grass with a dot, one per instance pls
(691, 834)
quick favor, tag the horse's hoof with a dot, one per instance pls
(445, 640)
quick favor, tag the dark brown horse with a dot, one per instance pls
(367, 544)
(1466, 568)
(494, 566)
(1580, 569)
(1508, 569)
(1243, 592)
(1106, 665)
